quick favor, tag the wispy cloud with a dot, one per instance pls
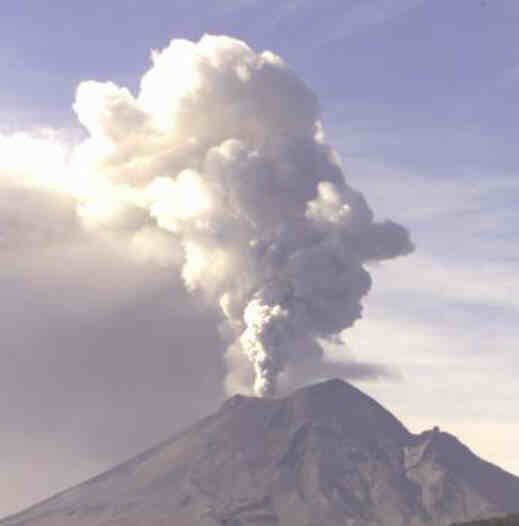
(367, 14)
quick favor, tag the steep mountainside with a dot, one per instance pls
(326, 455)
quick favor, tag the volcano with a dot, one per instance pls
(326, 455)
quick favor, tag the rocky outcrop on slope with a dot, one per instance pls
(508, 520)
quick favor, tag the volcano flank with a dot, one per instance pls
(326, 455)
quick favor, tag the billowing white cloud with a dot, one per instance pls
(219, 168)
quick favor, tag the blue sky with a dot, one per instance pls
(420, 99)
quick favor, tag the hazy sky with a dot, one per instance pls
(102, 356)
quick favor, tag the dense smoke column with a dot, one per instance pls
(219, 168)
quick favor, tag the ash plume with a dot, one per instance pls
(219, 169)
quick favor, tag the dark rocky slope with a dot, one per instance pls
(326, 455)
